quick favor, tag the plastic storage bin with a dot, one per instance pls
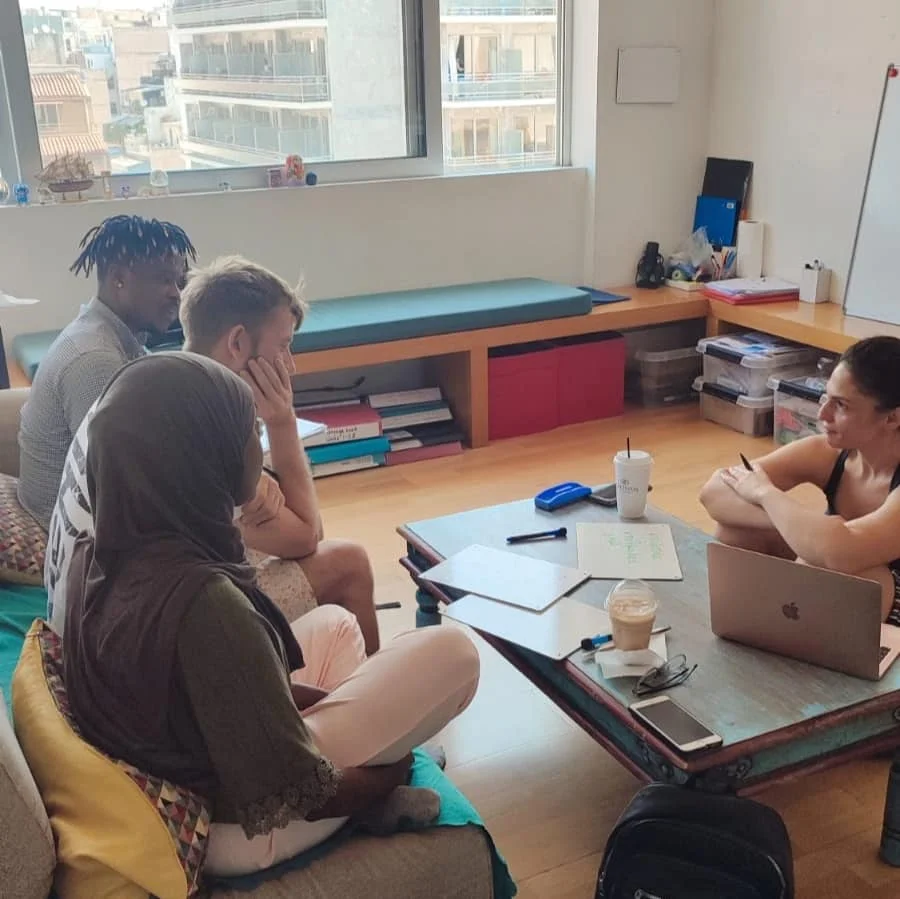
(664, 377)
(749, 415)
(797, 403)
(745, 362)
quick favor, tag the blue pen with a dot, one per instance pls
(588, 644)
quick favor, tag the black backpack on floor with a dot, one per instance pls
(674, 843)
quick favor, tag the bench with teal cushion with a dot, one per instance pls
(383, 317)
(29, 349)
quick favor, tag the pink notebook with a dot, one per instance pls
(419, 453)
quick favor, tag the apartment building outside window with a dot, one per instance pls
(234, 86)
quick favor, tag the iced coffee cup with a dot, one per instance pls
(632, 608)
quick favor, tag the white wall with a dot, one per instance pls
(796, 89)
(650, 158)
(344, 239)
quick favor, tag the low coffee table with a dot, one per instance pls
(778, 718)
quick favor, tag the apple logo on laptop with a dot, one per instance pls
(791, 611)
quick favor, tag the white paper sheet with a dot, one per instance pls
(615, 550)
(618, 663)
(304, 429)
(506, 576)
(556, 633)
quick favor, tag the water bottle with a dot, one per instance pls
(890, 831)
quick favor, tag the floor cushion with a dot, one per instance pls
(27, 854)
(119, 832)
(19, 606)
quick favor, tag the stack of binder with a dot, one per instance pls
(381, 429)
(418, 425)
(352, 439)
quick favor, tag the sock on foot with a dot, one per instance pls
(406, 808)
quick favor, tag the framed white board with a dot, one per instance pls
(648, 75)
(872, 290)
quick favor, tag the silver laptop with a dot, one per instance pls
(805, 613)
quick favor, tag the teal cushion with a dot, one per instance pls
(29, 350)
(19, 606)
(380, 317)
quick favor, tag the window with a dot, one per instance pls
(501, 83)
(213, 90)
(47, 115)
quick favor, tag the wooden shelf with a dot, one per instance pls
(822, 325)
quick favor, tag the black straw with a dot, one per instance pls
(628, 446)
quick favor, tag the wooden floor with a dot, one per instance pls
(547, 792)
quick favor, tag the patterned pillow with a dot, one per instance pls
(119, 831)
(23, 541)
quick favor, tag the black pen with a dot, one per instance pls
(747, 465)
(539, 535)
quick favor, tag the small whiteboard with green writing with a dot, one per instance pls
(616, 551)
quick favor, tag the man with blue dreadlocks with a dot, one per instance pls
(141, 265)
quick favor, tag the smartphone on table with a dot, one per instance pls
(674, 724)
(605, 495)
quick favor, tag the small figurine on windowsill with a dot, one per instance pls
(294, 170)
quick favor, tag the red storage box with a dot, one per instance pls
(538, 386)
(522, 390)
(591, 377)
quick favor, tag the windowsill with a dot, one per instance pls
(543, 172)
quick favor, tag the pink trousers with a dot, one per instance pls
(378, 709)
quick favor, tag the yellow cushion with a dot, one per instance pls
(23, 542)
(119, 833)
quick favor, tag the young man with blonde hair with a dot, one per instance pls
(244, 316)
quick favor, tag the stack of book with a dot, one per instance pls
(418, 424)
(352, 439)
(382, 429)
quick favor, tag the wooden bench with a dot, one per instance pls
(458, 361)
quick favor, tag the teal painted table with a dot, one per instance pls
(778, 718)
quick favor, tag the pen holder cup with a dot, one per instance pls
(815, 284)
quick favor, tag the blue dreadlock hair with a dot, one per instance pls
(126, 238)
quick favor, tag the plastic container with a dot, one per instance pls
(745, 362)
(664, 377)
(750, 415)
(797, 404)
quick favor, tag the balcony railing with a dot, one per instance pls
(281, 75)
(199, 13)
(539, 159)
(498, 7)
(502, 86)
(278, 142)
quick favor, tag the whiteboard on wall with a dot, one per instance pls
(873, 284)
(648, 75)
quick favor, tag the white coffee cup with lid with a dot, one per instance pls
(632, 482)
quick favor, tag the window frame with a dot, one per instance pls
(20, 156)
